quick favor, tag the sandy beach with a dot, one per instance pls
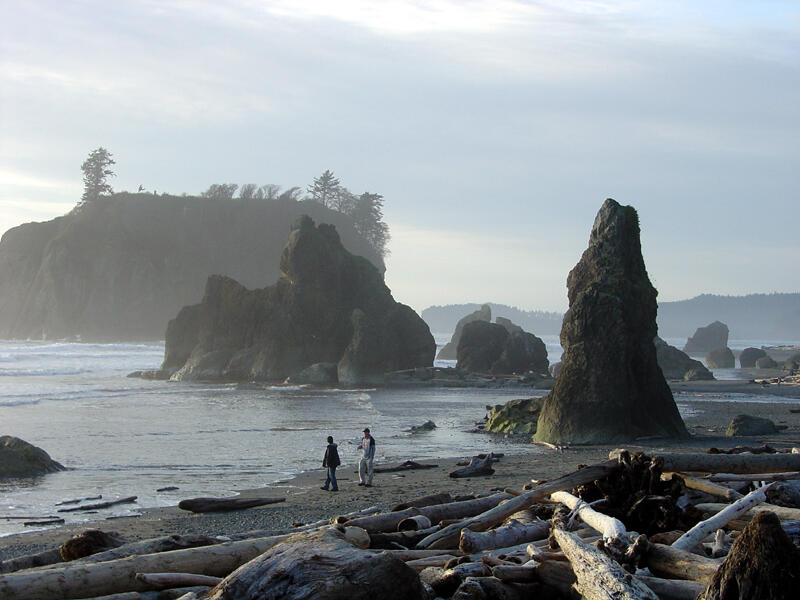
(305, 502)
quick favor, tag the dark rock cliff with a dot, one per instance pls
(328, 306)
(122, 267)
(610, 388)
(450, 350)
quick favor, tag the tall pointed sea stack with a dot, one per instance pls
(611, 388)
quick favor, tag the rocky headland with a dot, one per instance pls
(121, 268)
(330, 312)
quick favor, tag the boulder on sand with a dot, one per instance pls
(749, 356)
(610, 388)
(18, 458)
(678, 365)
(450, 350)
(749, 425)
(707, 338)
(328, 306)
(721, 358)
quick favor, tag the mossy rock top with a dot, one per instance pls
(515, 417)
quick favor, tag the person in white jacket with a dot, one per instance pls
(367, 447)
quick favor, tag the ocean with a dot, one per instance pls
(124, 436)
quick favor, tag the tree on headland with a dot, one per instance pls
(367, 216)
(324, 189)
(248, 191)
(96, 169)
(221, 191)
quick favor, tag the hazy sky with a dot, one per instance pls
(494, 129)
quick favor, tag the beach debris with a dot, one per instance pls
(727, 463)
(31, 561)
(54, 521)
(78, 500)
(442, 498)
(162, 581)
(408, 465)
(169, 488)
(100, 505)
(426, 426)
(89, 542)
(762, 563)
(477, 467)
(203, 505)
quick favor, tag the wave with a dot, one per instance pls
(294, 429)
(41, 372)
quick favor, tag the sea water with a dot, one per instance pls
(122, 436)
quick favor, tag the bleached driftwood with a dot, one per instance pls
(437, 512)
(599, 577)
(674, 563)
(99, 505)
(727, 463)
(414, 523)
(162, 581)
(322, 565)
(753, 476)
(721, 544)
(524, 573)
(486, 520)
(733, 511)
(476, 467)
(705, 485)
(29, 561)
(429, 500)
(84, 581)
(784, 512)
(204, 505)
(609, 527)
(439, 560)
(407, 539)
(509, 534)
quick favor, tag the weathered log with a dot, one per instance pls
(446, 581)
(99, 505)
(721, 544)
(56, 521)
(413, 554)
(162, 581)
(491, 588)
(437, 512)
(78, 500)
(408, 465)
(784, 513)
(407, 539)
(705, 485)
(609, 527)
(429, 500)
(338, 520)
(477, 467)
(89, 542)
(733, 511)
(439, 560)
(599, 577)
(727, 463)
(152, 546)
(762, 563)
(672, 563)
(82, 581)
(204, 505)
(415, 523)
(490, 518)
(321, 565)
(753, 476)
(510, 534)
(524, 573)
(29, 561)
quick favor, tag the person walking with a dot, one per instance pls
(367, 447)
(330, 462)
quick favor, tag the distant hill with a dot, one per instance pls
(443, 319)
(121, 267)
(756, 316)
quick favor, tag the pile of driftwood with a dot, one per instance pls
(672, 526)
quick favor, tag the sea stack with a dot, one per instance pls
(328, 306)
(611, 388)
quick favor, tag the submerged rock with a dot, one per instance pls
(450, 350)
(707, 338)
(721, 358)
(749, 356)
(18, 458)
(610, 388)
(749, 425)
(678, 365)
(328, 306)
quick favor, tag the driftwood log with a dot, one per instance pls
(408, 465)
(89, 542)
(784, 513)
(29, 561)
(321, 565)
(509, 534)
(705, 485)
(429, 500)
(762, 563)
(449, 536)
(477, 467)
(446, 581)
(669, 562)
(415, 523)
(754, 476)
(162, 581)
(112, 577)
(491, 588)
(204, 505)
(599, 577)
(407, 539)
(727, 463)
(99, 505)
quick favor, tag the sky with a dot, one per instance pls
(494, 130)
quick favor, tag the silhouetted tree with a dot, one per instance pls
(324, 189)
(368, 220)
(344, 200)
(268, 192)
(221, 191)
(96, 169)
(248, 191)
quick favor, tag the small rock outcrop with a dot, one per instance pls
(500, 349)
(766, 362)
(749, 425)
(450, 350)
(328, 306)
(18, 458)
(749, 356)
(721, 358)
(610, 388)
(515, 417)
(678, 365)
(707, 338)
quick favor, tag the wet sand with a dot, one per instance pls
(306, 503)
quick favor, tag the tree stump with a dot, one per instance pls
(763, 564)
(89, 542)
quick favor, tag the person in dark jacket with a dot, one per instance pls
(330, 462)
